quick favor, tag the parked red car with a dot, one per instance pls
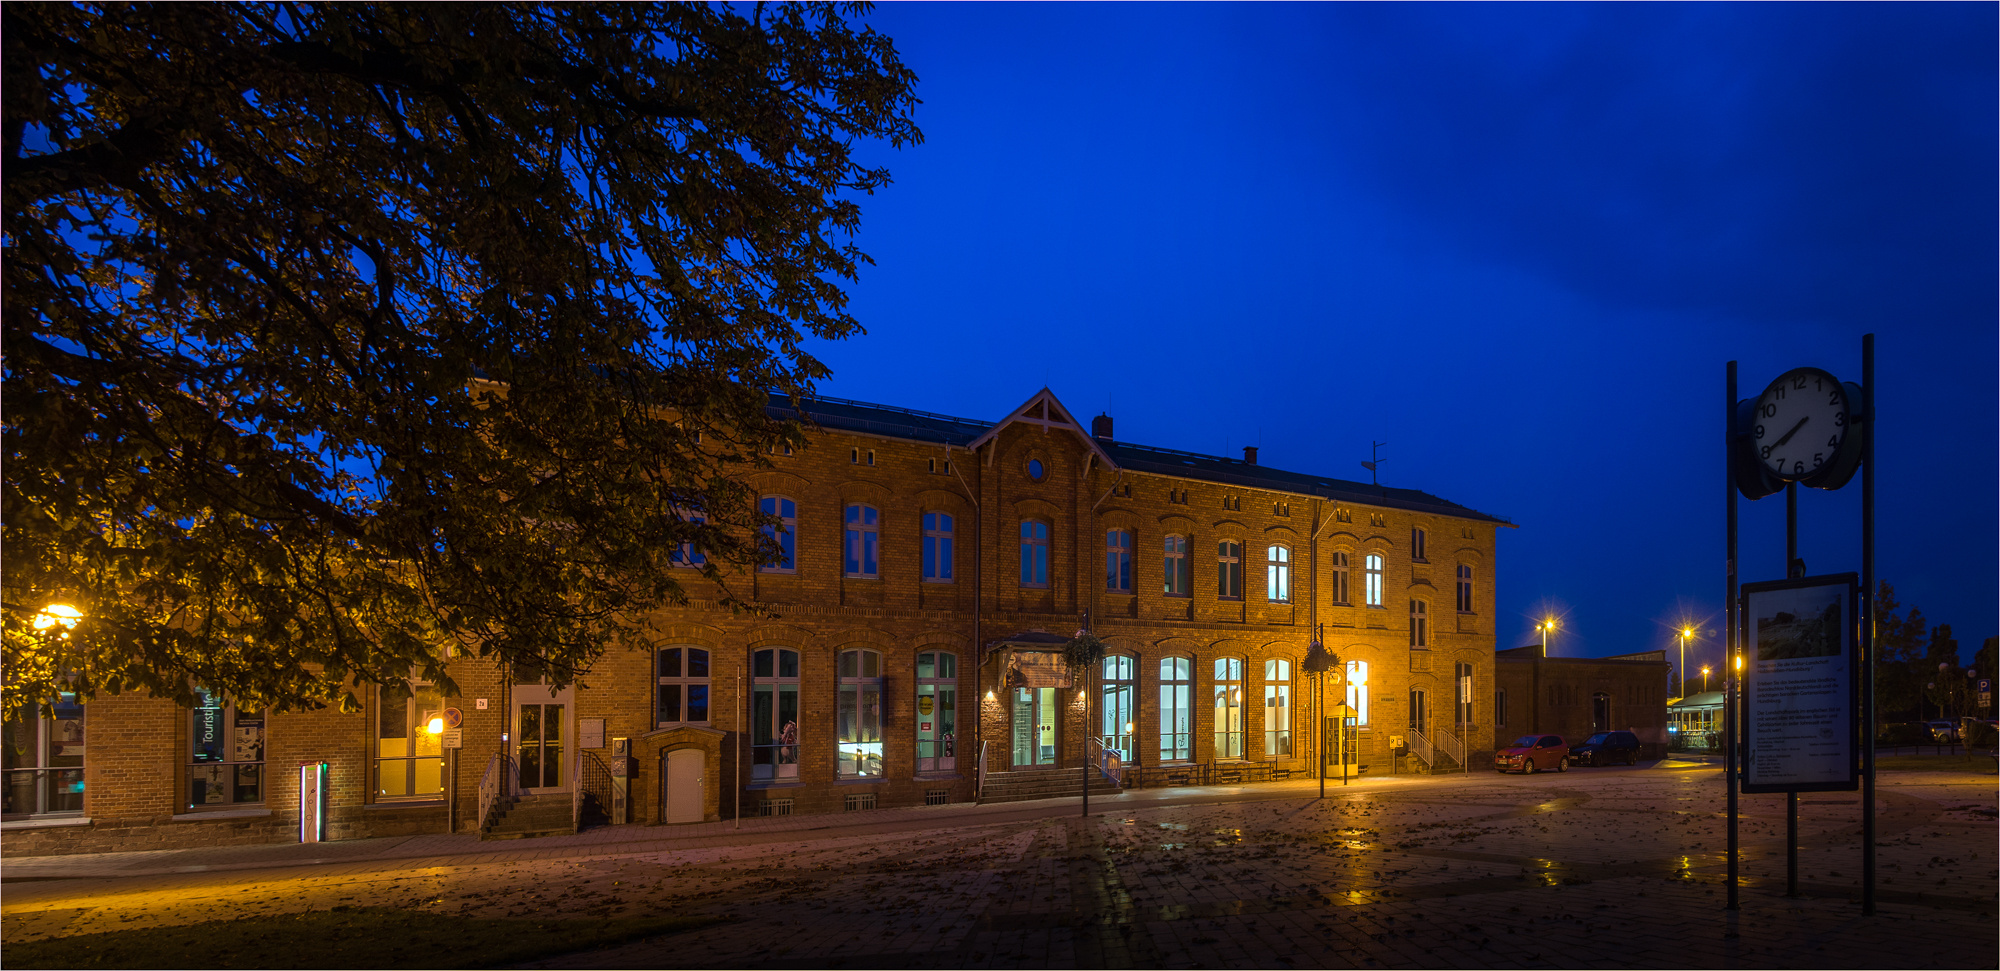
(1530, 753)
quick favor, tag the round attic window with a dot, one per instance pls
(1035, 470)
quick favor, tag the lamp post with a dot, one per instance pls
(1682, 671)
(1704, 679)
(1545, 626)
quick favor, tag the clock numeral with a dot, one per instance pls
(1833, 398)
(1798, 468)
(1778, 392)
(1833, 442)
(1840, 419)
(1799, 383)
(1760, 431)
(1819, 458)
(1771, 411)
(1767, 451)
(1818, 385)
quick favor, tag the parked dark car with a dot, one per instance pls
(1531, 753)
(1606, 748)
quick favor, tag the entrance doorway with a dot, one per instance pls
(1419, 717)
(686, 788)
(1600, 712)
(1034, 727)
(541, 737)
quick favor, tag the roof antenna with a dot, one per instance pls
(1374, 477)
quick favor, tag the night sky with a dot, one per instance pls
(1517, 243)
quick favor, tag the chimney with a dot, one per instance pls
(1249, 455)
(1100, 427)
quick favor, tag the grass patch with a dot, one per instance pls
(1929, 762)
(359, 937)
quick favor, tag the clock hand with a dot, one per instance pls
(1794, 431)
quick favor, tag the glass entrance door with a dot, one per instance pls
(540, 745)
(1034, 727)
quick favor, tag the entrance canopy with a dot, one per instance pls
(1034, 659)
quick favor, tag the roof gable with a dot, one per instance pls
(1044, 410)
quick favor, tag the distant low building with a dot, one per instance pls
(1695, 722)
(1577, 697)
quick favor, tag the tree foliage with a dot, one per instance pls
(337, 335)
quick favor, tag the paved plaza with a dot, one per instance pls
(1603, 867)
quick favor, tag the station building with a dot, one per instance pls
(935, 566)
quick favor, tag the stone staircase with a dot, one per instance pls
(523, 816)
(1022, 785)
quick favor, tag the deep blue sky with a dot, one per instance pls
(1517, 243)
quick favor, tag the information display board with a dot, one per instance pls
(1799, 681)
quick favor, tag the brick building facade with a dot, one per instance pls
(1576, 697)
(936, 562)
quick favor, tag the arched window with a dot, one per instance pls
(1374, 578)
(863, 540)
(784, 534)
(1277, 709)
(1119, 710)
(1229, 570)
(1034, 553)
(1278, 574)
(937, 547)
(1176, 709)
(859, 714)
(683, 687)
(1464, 588)
(1118, 561)
(1357, 690)
(1340, 576)
(1419, 628)
(774, 714)
(1178, 579)
(1228, 708)
(937, 711)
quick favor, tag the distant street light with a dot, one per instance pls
(1545, 626)
(1704, 679)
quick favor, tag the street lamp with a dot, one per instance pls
(1704, 679)
(1682, 671)
(1545, 626)
(55, 614)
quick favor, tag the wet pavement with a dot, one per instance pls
(1603, 867)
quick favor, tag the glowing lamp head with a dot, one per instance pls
(54, 614)
(435, 726)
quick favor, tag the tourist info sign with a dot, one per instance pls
(1799, 686)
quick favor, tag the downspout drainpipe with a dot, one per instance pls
(978, 597)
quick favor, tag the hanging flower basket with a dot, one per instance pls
(1319, 660)
(1083, 651)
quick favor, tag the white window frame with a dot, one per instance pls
(1340, 576)
(1357, 690)
(1036, 561)
(1118, 560)
(858, 714)
(684, 682)
(1374, 579)
(1176, 708)
(1118, 706)
(775, 746)
(1417, 538)
(1229, 713)
(1465, 603)
(786, 534)
(939, 533)
(941, 685)
(1177, 567)
(863, 557)
(1277, 708)
(1229, 569)
(1278, 574)
(1419, 624)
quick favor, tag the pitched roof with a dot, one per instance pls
(841, 414)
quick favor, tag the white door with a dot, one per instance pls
(685, 777)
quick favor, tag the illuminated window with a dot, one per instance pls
(863, 541)
(1340, 576)
(1229, 570)
(1178, 581)
(937, 711)
(784, 534)
(1357, 690)
(1277, 709)
(1118, 561)
(226, 764)
(1278, 574)
(1464, 589)
(1119, 708)
(859, 713)
(1228, 708)
(937, 547)
(682, 696)
(1034, 553)
(774, 715)
(409, 761)
(1419, 626)
(45, 761)
(1374, 579)
(1176, 714)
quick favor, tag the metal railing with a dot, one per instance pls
(1445, 745)
(1108, 763)
(592, 788)
(1420, 746)
(1453, 748)
(501, 781)
(979, 791)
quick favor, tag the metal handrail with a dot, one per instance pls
(593, 779)
(979, 790)
(1420, 746)
(1108, 762)
(502, 779)
(1453, 746)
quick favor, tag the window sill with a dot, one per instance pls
(870, 780)
(387, 805)
(1118, 593)
(946, 582)
(1377, 607)
(774, 784)
(938, 777)
(780, 573)
(220, 814)
(44, 822)
(861, 576)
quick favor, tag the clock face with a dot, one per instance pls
(1800, 423)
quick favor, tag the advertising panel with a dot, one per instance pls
(1799, 678)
